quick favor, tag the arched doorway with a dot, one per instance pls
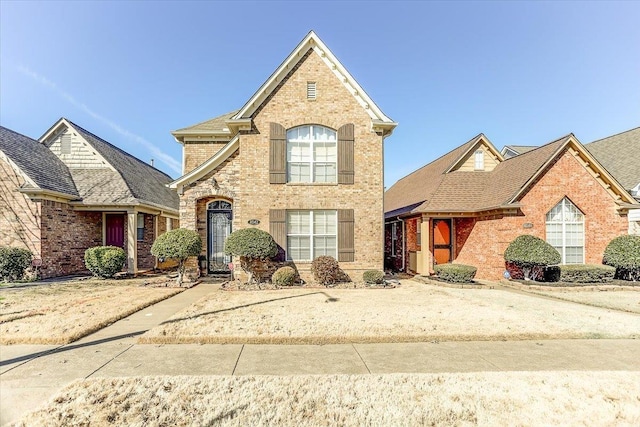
(219, 216)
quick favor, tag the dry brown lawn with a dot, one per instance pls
(617, 300)
(59, 313)
(494, 398)
(413, 312)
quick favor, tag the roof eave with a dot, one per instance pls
(38, 193)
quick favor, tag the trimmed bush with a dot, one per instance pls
(13, 263)
(623, 253)
(284, 276)
(326, 270)
(373, 277)
(104, 261)
(178, 244)
(532, 255)
(455, 273)
(251, 245)
(586, 273)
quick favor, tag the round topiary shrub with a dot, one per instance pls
(284, 276)
(373, 277)
(178, 244)
(251, 244)
(104, 261)
(455, 273)
(13, 263)
(623, 253)
(326, 270)
(531, 254)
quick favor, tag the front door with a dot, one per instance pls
(219, 216)
(442, 248)
(114, 230)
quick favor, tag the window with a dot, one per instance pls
(479, 160)
(311, 234)
(418, 232)
(394, 238)
(140, 226)
(311, 154)
(565, 231)
(311, 90)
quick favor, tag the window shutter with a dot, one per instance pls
(346, 251)
(278, 230)
(345, 154)
(277, 154)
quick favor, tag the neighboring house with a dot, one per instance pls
(509, 151)
(302, 159)
(620, 154)
(469, 204)
(72, 190)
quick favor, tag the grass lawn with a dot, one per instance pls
(414, 312)
(495, 398)
(617, 300)
(59, 313)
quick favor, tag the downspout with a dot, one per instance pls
(404, 240)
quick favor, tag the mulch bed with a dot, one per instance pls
(433, 280)
(615, 285)
(237, 285)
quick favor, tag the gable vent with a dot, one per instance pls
(65, 144)
(311, 90)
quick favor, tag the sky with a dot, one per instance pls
(522, 73)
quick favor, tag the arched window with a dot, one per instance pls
(565, 231)
(312, 154)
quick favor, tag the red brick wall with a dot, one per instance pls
(66, 234)
(487, 239)
(145, 259)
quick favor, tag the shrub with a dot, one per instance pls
(178, 244)
(284, 276)
(586, 273)
(104, 261)
(373, 277)
(13, 263)
(531, 254)
(455, 273)
(623, 253)
(326, 270)
(250, 244)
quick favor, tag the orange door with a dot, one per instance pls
(442, 241)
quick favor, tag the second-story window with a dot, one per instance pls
(311, 154)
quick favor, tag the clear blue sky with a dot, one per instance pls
(520, 72)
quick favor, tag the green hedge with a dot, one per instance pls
(530, 255)
(104, 261)
(284, 276)
(373, 277)
(13, 263)
(455, 273)
(623, 253)
(586, 273)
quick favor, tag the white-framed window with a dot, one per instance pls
(311, 234)
(312, 154)
(140, 228)
(479, 160)
(565, 231)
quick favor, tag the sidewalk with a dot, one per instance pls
(31, 374)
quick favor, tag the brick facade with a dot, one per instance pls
(244, 178)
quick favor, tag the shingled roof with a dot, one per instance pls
(215, 125)
(620, 155)
(135, 181)
(37, 162)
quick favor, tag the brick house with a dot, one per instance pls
(72, 190)
(469, 204)
(302, 159)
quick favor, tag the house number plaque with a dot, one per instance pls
(254, 221)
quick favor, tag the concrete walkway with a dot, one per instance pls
(31, 374)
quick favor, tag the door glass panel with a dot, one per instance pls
(442, 233)
(219, 228)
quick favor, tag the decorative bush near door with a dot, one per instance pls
(455, 273)
(178, 244)
(532, 255)
(104, 261)
(251, 245)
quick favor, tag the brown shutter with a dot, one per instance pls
(278, 230)
(277, 154)
(345, 154)
(346, 251)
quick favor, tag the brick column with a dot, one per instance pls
(132, 242)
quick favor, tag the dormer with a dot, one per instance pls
(482, 156)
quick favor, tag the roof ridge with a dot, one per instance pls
(116, 147)
(611, 136)
(538, 147)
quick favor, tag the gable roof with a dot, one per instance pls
(43, 169)
(516, 150)
(620, 154)
(313, 42)
(467, 192)
(216, 126)
(129, 181)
